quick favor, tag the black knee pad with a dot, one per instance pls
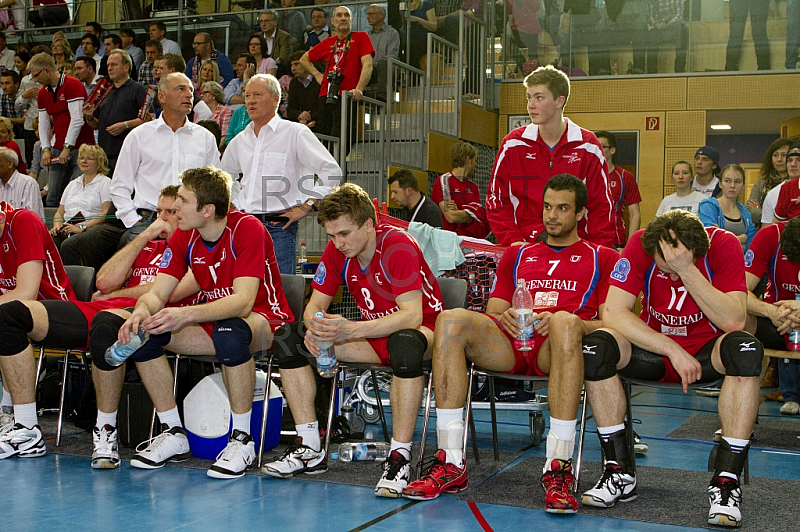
(15, 324)
(288, 347)
(232, 337)
(600, 356)
(741, 354)
(152, 348)
(406, 350)
(102, 335)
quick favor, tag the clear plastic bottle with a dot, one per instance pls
(118, 353)
(523, 305)
(794, 334)
(373, 450)
(327, 365)
(303, 258)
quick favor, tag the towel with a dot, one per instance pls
(441, 248)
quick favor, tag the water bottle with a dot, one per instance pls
(118, 353)
(794, 335)
(523, 305)
(327, 365)
(373, 450)
(303, 257)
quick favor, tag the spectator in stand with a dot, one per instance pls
(21, 58)
(665, 24)
(684, 197)
(9, 81)
(18, 190)
(303, 106)
(386, 42)
(706, 166)
(788, 204)
(214, 97)
(414, 206)
(67, 68)
(36, 170)
(792, 33)
(204, 51)
(525, 27)
(318, 31)
(6, 54)
(239, 120)
(244, 69)
(7, 141)
(48, 13)
(624, 191)
(279, 46)
(771, 200)
(86, 200)
(17, 11)
(112, 42)
(171, 63)
(423, 21)
(737, 13)
(97, 30)
(86, 72)
(257, 46)
(458, 197)
(129, 45)
(725, 211)
(60, 102)
(152, 49)
(62, 51)
(209, 71)
(90, 45)
(214, 128)
(26, 104)
(293, 22)
(158, 31)
(773, 172)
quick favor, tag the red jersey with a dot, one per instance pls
(55, 101)
(397, 267)
(667, 307)
(358, 45)
(788, 205)
(573, 279)
(25, 238)
(765, 256)
(244, 250)
(624, 192)
(468, 198)
(523, 165)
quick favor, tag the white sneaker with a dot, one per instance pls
(235, 458)
(725, 496)
(396, 474)
(297, 458)
(105, 454)
(614, 486)
(23, 442)
(171, 445)
(790, 408)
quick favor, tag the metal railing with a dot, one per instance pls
(406, 113)
(443, 84)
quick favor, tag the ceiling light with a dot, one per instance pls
(720, 126)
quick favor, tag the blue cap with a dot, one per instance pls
(708, 151)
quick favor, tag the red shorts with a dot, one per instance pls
(381, 349)
(91, 308)
(525, 360)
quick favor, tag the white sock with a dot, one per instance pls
(450, 431)
(25, 415)
(309, 433)
(606, 432)
(563, 429)
(6, 399)
(170, 418)
(736, 444)
(106, 418)
(241, 422)
(446, 415)
(402, 448)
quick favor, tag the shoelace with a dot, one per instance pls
(433, 467)
(158, 440)
(393, 465)
(724, 492)
(103, 442)
(558, 479)
(608, 478)
(231, 452)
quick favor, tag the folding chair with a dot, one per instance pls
(454, 295)
(82, 280)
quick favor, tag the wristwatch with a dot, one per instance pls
(67, 146)
(83, 227)
(310, 203)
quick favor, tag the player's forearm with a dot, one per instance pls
(134, 292)
(634, 220)
(116, 270)
(150, 302)
(402, 319)
(625, 322)
(457, 217)
(725, 310)
(187, 287)
(232, 306)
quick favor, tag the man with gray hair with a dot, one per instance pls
(204, 50)
(118, 114)
(279, 45)
(386, 42)
(18, 190)
(60, 102)
(279, 198)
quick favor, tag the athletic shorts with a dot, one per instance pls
(525, 361)
(69, 321)
(649, 366)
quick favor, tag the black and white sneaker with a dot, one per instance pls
(614, 486)
(725, 496)
(22, 441)
(171, 445)
(297, 458)
(105, 454)
(235, 458)
(396, 474)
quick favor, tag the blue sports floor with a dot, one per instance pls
(59, 492)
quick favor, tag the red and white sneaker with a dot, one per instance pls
(557, 484)
(440, 478)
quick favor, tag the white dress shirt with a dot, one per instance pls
(22, 192)
(152, 157)
(171, 47)
(278, 167)
(87, 200)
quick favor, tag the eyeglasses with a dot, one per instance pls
(35, 75)
(199, 43)
(269, 20)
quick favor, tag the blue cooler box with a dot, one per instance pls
(207, 416)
